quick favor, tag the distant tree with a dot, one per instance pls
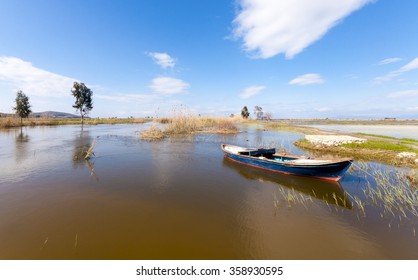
(22, 106)
(268, 115)
(83, 99)
(232, 115)
(258, 112)
(244, 112)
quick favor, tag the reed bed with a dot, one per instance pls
(183, 122)
(153, 133)
(189, 125)
(10, 122)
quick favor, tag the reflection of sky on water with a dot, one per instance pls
(41, 151)
(31, 152)
(398, 131)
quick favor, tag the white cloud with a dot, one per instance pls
(307, 79)
(406, 68)
(390, 60)
(167, 85)
(409, 67)
(404, 93)
(251, 91)
(271, 27)
(33, 81)
(163, 59)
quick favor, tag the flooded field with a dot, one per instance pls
(398, 131)
(180, 199)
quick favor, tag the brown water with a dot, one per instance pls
(177, 199)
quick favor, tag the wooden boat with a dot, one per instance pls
(327, 169)
(330, 192)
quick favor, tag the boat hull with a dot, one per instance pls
(332, 171)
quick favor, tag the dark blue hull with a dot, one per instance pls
(326, 190)
(330, 171)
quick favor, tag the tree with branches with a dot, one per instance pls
(83, 99)
(22, 106)
(244, 112)
(258, 111)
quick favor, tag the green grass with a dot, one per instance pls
(372, 150)
(381, 145)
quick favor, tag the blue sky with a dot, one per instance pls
(295, 59)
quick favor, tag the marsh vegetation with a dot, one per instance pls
(185, 123)
(12, 122)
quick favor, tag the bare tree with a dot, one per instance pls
(268, 115)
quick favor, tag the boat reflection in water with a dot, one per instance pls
(329, 191)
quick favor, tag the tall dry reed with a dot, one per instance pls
(184, 122)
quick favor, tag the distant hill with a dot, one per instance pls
(47, 114)
(53, 114)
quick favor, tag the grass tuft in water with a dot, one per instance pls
(153, 133)
(183, 122)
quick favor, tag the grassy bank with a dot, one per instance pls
(375, 149)
(379, 148)
(10, 122)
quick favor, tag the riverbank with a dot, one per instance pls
(389, 150)
(380, 148)
(10, 122)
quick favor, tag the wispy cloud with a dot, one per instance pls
(168, 85)
(251, 91)
(323, 109)
(271, 27)
(33, 81)
(128, 98)
(163, 59)
(307, 79)
(391, 75)
(390, 60)
(404, 94)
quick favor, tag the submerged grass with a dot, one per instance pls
(84, 152)
(391, 191)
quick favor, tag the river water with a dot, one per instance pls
(180, 199)
(398, 131)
